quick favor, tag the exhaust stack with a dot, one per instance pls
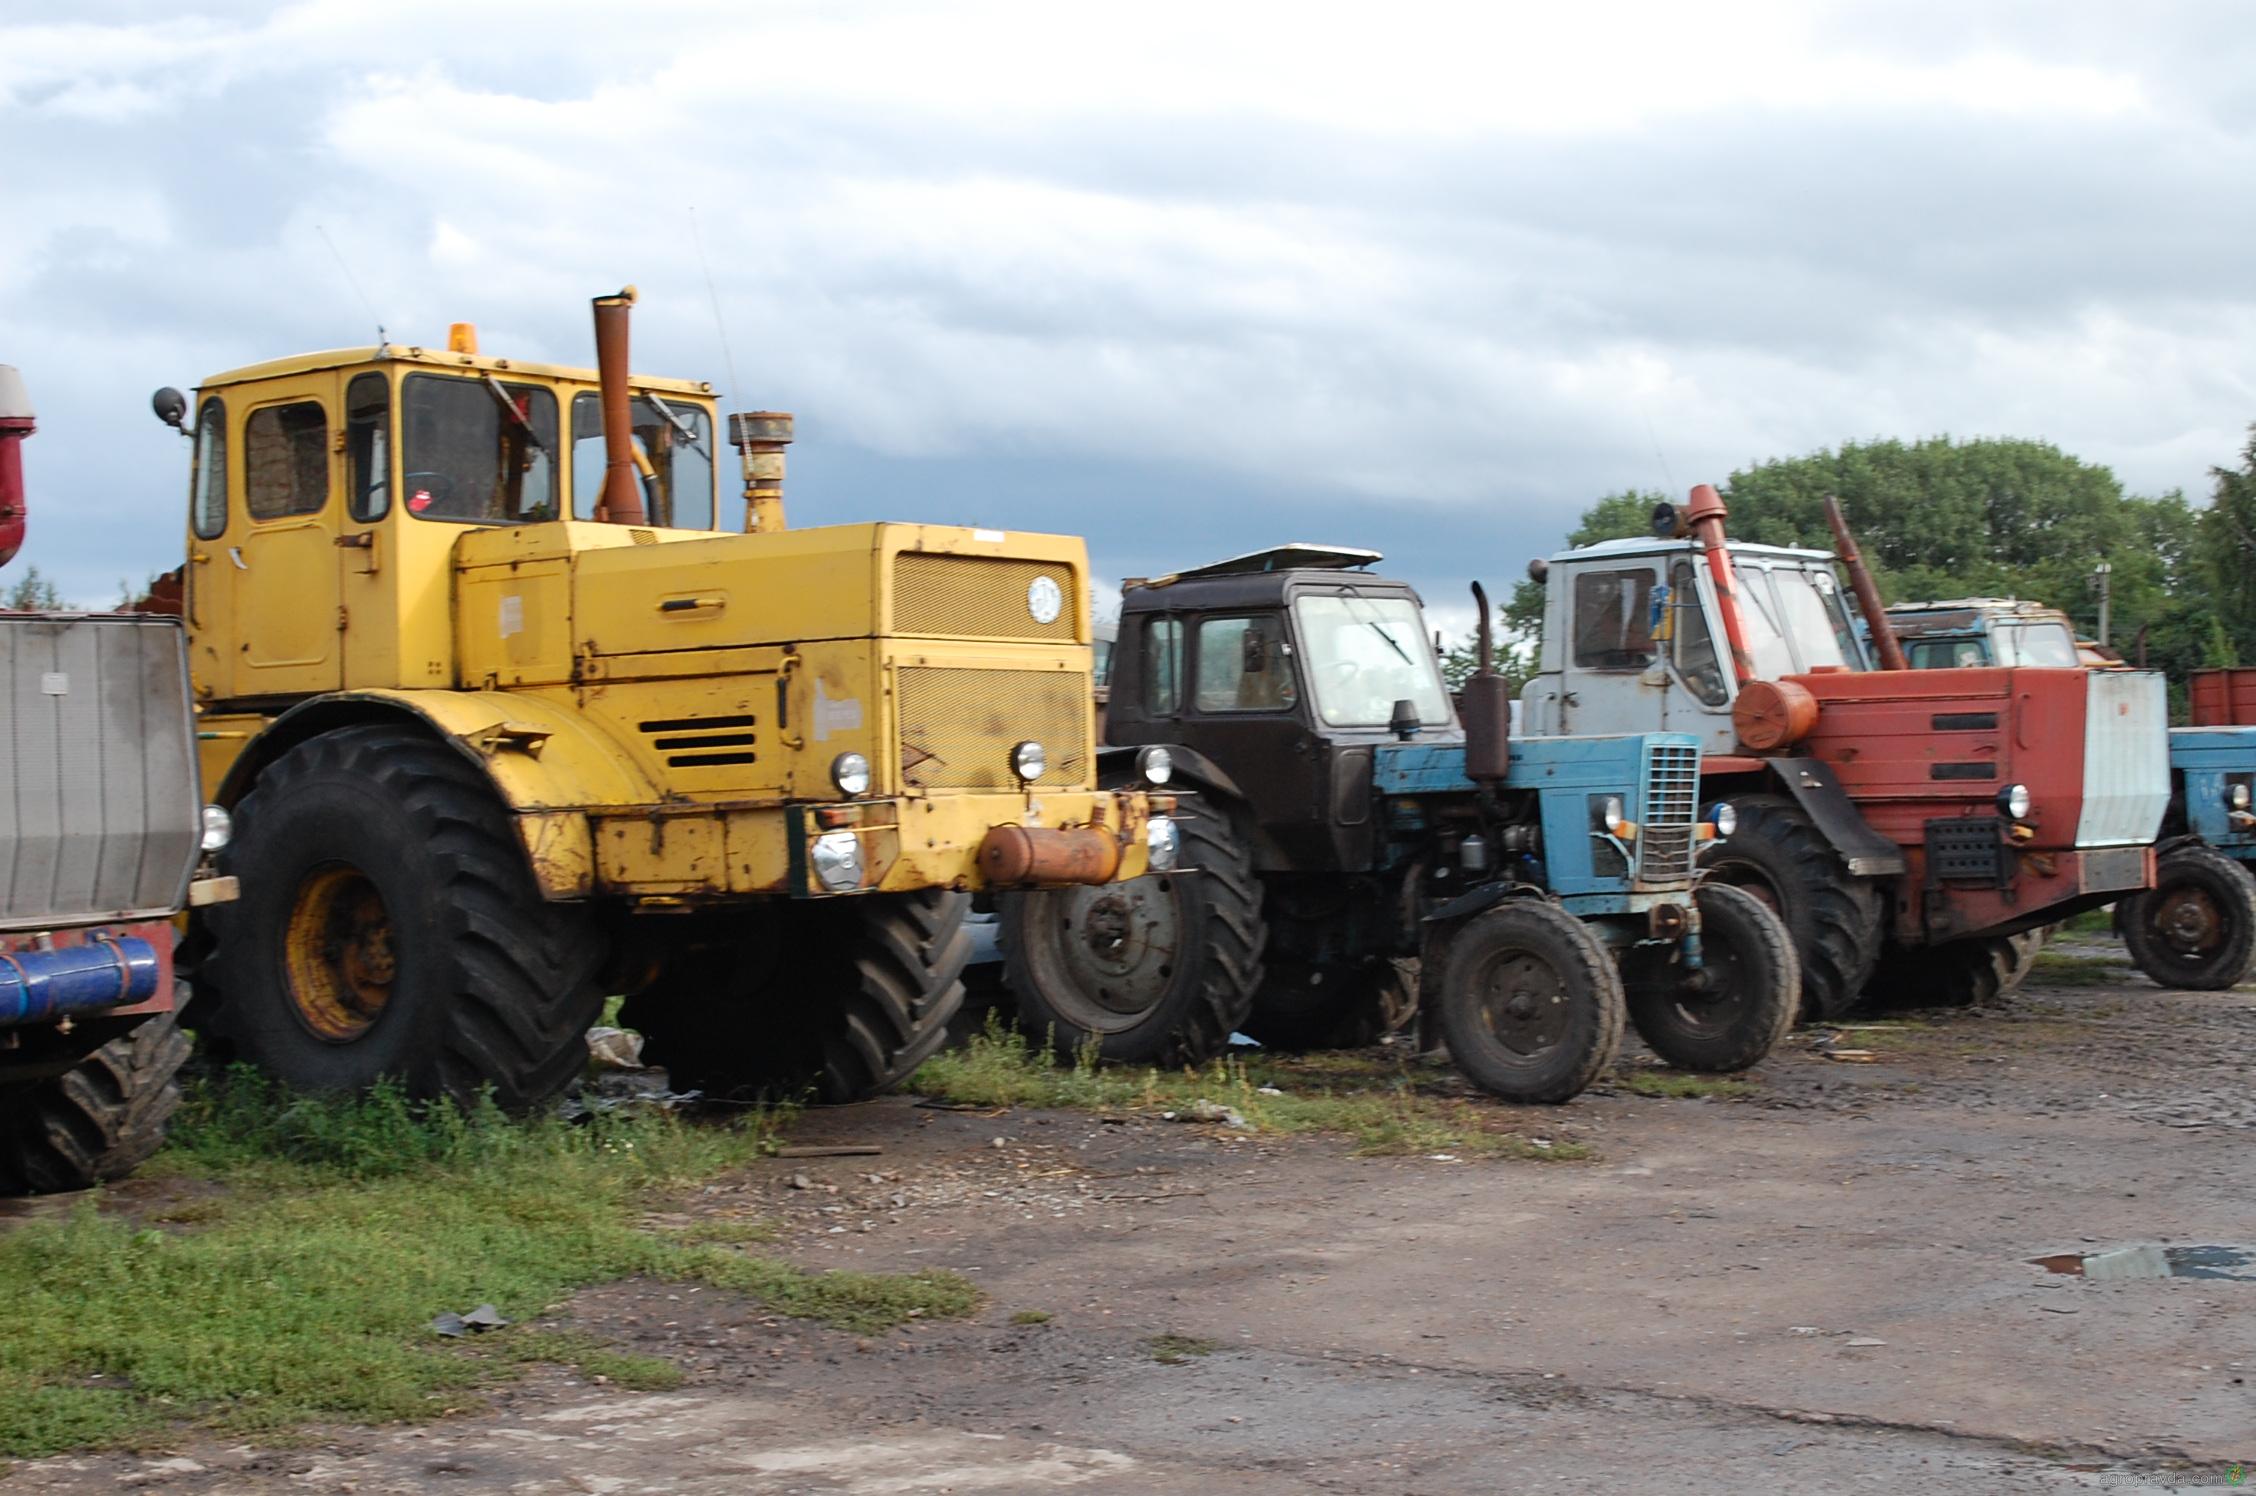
(620, 503)
(1703, 517)
(1867, 591)
(16, 423)
(1486, 707)
(761, 436)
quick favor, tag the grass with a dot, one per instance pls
(2058, 969)
(1032, 1317)
(1681, 1085)
(1174, 1350)
(1385, 1107)
(303, 1286)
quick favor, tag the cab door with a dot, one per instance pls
(264, 597)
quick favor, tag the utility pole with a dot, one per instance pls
(2102, 576)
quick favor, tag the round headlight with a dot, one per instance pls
(1725, 818)
(851, 773)
(1614, 817)
(1162, 842)
(1029, 762)
(838, 860)
(1156, 764)
(2013, 801)
(219, 828)
(2236, 796)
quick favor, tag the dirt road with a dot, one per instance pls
(1824, 1286)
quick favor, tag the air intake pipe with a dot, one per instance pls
(39, 986)
(16, 423)
(621, 500)
(1884, 640)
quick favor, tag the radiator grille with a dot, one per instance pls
(1672, 798)
(958, 726)
(981, 597)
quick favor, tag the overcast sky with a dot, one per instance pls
(1185, 278)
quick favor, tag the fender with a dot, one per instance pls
(547, 765)
(1813, 786)
(1116, 769)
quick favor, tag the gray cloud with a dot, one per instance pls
(1187, 287)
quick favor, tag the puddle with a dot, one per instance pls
(2150, 1260)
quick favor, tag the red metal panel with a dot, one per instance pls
(2223, 698)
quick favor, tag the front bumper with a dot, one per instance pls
(2037, 887)
(692, 854)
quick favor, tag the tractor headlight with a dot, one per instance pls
(1157, 765)
(1616, 821)
(2236, 796)
(2013, 802)
(219, 828)
(1161, 843)
(838, 861)
(851, 773)
(1029, 761)
(1725, 818)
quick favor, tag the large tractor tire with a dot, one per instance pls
(389, 927)
(2195, 929)
(1529, 1002)
(832, 1001)
(1306, 1005)
(1731, 1012)
(1159, 970)
(97, 1121)
(1832, 916)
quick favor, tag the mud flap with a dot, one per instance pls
(1811, 782)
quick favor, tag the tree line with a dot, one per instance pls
(1989, 517)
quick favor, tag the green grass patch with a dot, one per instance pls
(1384, 1105)
(1032, 1317)
(2058, 969)
(2090, 922)
(304, 1289)
(1681, 1085)
(1174, 1350)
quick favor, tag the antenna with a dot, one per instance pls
(719, 326)
(366, 304)
(1652, 437)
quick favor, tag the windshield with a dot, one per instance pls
(478, 449)
(1812, 617)
(673, 443)
(2045, 643)
(1365, 654)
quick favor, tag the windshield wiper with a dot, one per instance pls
(1376, 627)
(509, 405)
(687, 431)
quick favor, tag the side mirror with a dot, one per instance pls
(171, 407)
(1539, 570)
(1255, 654)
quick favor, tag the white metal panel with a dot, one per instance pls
(100, 810)
(2126, 758)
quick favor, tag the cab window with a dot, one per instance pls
(1163, 652)
(286, 460)
(1947, 654)
(1613, 628)
(477, 450)
(673, 442)
(368, 446)
(1685, 624)
(1245, 665)
(207, 491)
(2048, 644)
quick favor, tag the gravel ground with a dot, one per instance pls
(1826, 1285)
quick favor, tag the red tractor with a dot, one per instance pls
(1925, 819)
(102, 832)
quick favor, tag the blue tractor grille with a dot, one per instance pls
(1666, 837)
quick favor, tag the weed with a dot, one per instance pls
(1032, 1317)
(1386, 1106)
(2058, 969)
(1174, 1350)
(307, 1293)
(1678, 1085)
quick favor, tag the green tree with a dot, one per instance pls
(32, 593)
(2227, 545)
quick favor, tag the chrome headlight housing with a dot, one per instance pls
(219, 828)
(837, 859)
(1162, 844)
(851, 773)
(2013, 802)
(1726, 819)
(1156, 764)
(1029, 761)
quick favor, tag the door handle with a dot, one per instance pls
(235, 554)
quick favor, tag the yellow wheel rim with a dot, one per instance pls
(337, 953)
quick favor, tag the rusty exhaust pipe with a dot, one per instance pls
(1703, 517)
(621, 500)
(1867, 591)
(1486, 706)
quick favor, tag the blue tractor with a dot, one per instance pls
(1338, 826)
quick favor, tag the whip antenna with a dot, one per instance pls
(366, 304)
(728, 359)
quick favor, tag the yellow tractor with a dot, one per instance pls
(506, 724)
